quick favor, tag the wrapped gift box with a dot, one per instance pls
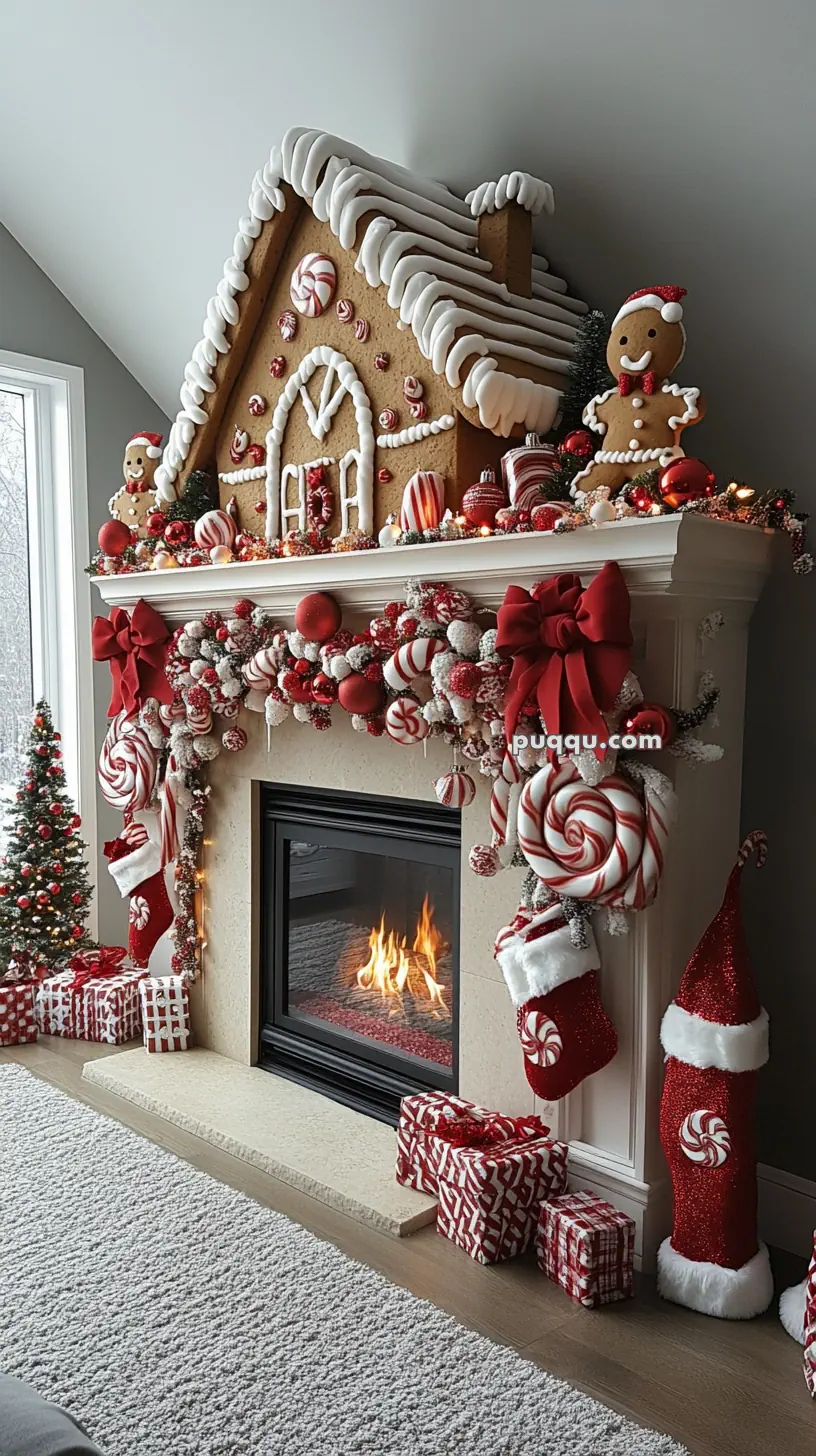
(418, 1146)
(104, 1008)
(810, 1325)
(18, 1022)
(165, 1013)
(586, 1246)
(489, 1195)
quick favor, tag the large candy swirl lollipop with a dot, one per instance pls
(128, 765)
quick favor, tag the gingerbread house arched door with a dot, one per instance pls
(319, 387)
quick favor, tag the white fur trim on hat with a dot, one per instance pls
(792, 1306)
(701, 1043)
(534, 967)
(133, 869)
(713, 1289)
(153, 452)
(670, 312)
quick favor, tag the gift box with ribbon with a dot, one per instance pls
(165, 1013)
(586, 1246)
(18, 1022)
(493, 1175)
(96, 998)
(418, 1148)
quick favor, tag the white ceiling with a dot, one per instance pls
(671, 133)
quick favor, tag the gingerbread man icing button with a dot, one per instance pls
(646, 343)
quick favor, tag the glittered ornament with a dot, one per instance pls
(578, 442)
(481, 502)
(684, 480)
(23, 902)
(324, 688)
(546, 516)
(484, 860)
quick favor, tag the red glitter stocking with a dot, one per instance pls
(564, 1031)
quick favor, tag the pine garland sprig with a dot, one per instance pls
(195, 500)
(588, 372)
(688, 721)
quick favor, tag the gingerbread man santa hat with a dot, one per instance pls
(715, 1036)
(665, 297)
(150, 443)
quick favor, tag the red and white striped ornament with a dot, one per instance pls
(404, 721)
(312, 285)
(540, 1038)
(525, 470)
(234, 740)
(261, 672)
(423, 501)
(705, 1139)
(501, 822)
(810, 1324)
(455, 789)
(410, 660)
(215, 528)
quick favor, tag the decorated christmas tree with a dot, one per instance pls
(44, 886)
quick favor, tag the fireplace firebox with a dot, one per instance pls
(359, 944)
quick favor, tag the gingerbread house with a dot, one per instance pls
(369, 324)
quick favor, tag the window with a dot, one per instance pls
(44, 595)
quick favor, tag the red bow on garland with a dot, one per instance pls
(571, 650)
(135, 647)
(93, 965)
(474, 1132)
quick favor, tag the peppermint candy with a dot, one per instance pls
(287, 328)
(139, 912)
(256, 404)
(540, 1038)
(128, 765)
(362, 329)
(388, 419)
(312, 285)
(412, 388)
(455, 789)
(705, 1139)
(344, 308)
(524, 471)
(404, 721)
(410, 660)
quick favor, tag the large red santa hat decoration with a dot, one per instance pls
(151, 444)
(715, 1036)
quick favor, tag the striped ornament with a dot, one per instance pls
(423, 501)
(525, 470)
(455, 789)
(410, 660)
(261, 672)
(215, 528)
(594, 842)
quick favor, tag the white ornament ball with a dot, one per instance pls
(390, 534)
(602, 511)
(220, 555)
(164, 560)
(464, 637)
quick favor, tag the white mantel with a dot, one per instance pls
(679, 569)
(678, 555)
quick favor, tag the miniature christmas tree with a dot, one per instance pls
(44, 886)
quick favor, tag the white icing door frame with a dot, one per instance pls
(320, 419)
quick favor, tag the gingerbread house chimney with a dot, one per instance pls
(504, 211)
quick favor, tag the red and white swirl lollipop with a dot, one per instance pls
(540, 1038)
(410, 660)
(455, 789)
(128, 765)
(261, 672)
(215, 528)
(705, 1139)
(312, 285)
(593, 842)
(404, 721)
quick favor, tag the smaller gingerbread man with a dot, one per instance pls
(642, 417)
(137, 497)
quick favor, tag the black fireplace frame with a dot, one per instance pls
(371, 1078)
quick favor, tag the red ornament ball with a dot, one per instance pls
(77, 932)
(685, 480)
(43, 897)
(317, 616)
(26, 870)
(303, 667)
(45, 831)
(578, 442)
(57, 867)
(243, 609)
(324, 688)
(507, 518)
(54, 888)
(480, 502)
(113, 537)
(221, 634)
(4, 889)
(357, 695)
(41, 751)
(23, 901)
(55, 808)
(76, 821)
(155, 523)
(209, 675)
(464, 679)
(76, 897)
(640, 498)
(652, 718)
(38, 720)
(546, 516)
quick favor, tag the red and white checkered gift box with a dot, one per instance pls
(17, 1020)
(489, 1195)
(419, 1148)
(586, 1246)
(103, 1009)
(810, 1325)
(165, 1013)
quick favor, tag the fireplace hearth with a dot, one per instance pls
(359, 944)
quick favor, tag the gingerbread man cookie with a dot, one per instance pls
(642, 417)
(137, 497)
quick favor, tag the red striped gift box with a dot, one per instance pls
(165, 1013)
(489, 1196)
(586, 1246)
(18, 1022)
(103, 1009)
(418, 1151)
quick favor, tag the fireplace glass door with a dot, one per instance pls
(360, 944)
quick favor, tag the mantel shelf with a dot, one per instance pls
(690, 556)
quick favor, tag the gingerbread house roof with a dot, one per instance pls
(418, 241)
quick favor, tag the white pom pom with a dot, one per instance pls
(197, 667)
(232, 689)
(297, 643)
(301, 712)
(284, 672)
(185, 679)
(311, 651)
(465, 637)
(187, 645)
(672, 312)
(487, 646)
(359, 655)
(435, 711)
(208, 649)
(194, 629)
(224, 669)
(275, 712)
(358, 723)
(338, 666)
(206, 747)
(462, 708)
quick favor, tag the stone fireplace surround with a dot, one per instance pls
(679, 569)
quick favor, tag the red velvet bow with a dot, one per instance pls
(135, 647)
(474, 1132)
(571, 649)
(92, 965)
(645, 383)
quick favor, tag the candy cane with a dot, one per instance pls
(410, 660)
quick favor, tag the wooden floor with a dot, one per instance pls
(721, 1389)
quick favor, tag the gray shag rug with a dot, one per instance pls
(176, 1317)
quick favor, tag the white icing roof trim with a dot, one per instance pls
(421, 245)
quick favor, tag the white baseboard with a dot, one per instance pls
(787, 1210)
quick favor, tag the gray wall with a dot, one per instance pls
(36, 319)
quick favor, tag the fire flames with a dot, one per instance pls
(394, 971)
